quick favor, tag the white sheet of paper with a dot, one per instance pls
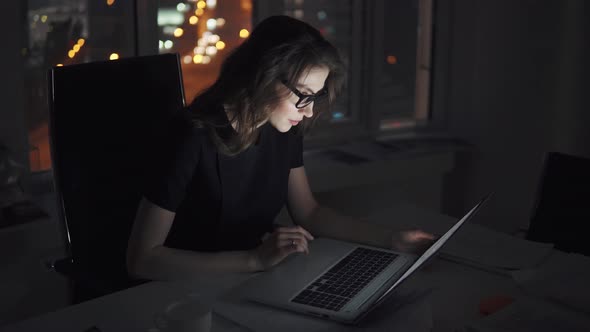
(473, 244)
(478, 244)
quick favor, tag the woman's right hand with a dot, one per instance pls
(280, 244)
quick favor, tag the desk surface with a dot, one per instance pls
(457, 290)
(129, 310)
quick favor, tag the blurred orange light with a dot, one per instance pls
(60, 65)
(201, 4)
(110, 2)
(178, 32)
(220, 45)
(76, 48)
(391, 59)
(199, 11)
(246, 5)
(193, 20)
(71, 53)
(114, 56)
(80, 41)
(198, 58)
(244, 33)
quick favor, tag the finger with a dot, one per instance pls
(302, 248)
(287, 229)
(426, 235)
(417, 235)
(283, 242)
(295, 230)
(291, 236)
(290, 249)
(305, 232)
(304, 245)
(300, 243)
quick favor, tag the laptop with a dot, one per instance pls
(340, 281)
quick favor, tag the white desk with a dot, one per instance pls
(129, 310)
(456, 293)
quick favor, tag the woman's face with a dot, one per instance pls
(286, 114)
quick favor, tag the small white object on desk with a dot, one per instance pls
(189, 314)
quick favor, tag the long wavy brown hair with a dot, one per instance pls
(279, 48)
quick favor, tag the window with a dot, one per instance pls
(386, 45)
(403, 71)
(202, 33)
(334, 20)
(64, 32)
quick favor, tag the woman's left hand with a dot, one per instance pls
(411, 241)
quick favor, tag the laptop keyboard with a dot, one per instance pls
(343, 281)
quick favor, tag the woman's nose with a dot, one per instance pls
(307, 110)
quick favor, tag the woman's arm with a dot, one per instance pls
(323, 221)
(148, 258)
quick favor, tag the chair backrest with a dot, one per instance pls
(562, 211)
(105, 119)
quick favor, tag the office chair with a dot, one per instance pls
(106, 118)
(562, 211)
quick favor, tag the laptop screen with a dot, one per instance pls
(434, 248)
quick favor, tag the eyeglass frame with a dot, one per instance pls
(305, 98)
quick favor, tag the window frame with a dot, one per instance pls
(439, 82)
(363, 124)
(146, 27)
(366, 53)
(356, 126)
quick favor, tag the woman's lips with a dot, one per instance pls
(293, 123)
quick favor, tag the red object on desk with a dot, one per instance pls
(492, 304)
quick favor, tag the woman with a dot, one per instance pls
(237, 161)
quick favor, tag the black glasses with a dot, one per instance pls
(304, 99)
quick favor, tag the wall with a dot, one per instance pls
(516, 91)
(12, 121)
(571, 117)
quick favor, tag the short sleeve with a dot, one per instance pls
(296, 150)
(173, 168)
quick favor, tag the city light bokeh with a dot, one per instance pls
(202, 33)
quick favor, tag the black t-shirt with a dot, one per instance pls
(222, 202)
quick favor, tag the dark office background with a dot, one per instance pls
(512, 81)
